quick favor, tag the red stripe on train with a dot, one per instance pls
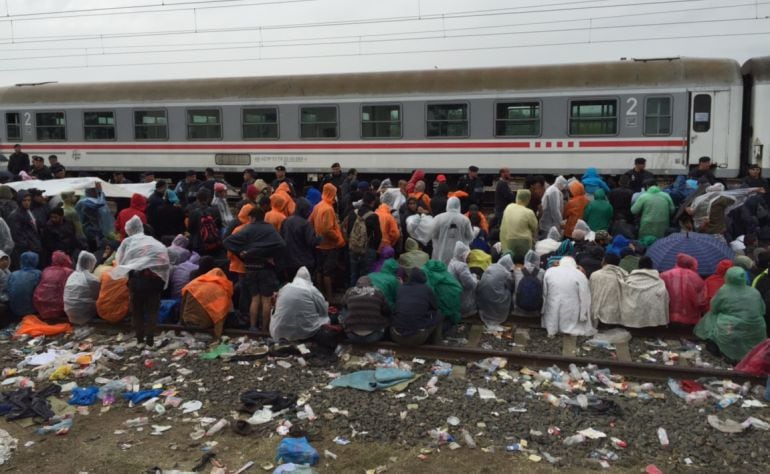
(341, 146)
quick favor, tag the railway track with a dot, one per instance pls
(516, 358)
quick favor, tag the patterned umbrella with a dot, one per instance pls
(707, 249)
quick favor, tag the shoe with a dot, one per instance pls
(139, 340)
(150, 341)
(253, 329)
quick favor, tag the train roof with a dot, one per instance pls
(640, 73)
(758, 68)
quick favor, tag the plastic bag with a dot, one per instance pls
(757, 361)
(611, 336)
(34, 327)
(297, 451)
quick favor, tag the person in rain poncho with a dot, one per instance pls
(206, 301)
(82, 290)
(284, 189)
(715, 281)
(567, 300)
(458, 267)
(449, 228)
(606, 284)
(592, 182)
(599, 212)
(326, 225)
(575, 207)
(416, 317)
(709, 210)
(518, 228)
(365, 313)
(386, 281)
(95, 216)
(418, 175)
(446, 288)
(178, 251)
(136, 208)
(644, 299)
(550, 243)
(553, 205)
(146, 263)
(300, 309)
(394, 199)
(49, 294)
(6, 239)
(736, 321)
(277, 213)
(182, 267)
(420, 226)
(655, 208)
(494, 292)
(686, 290)
(390, 235)
(413, 257)
(530, 267)
(762, 283)
(21, 285)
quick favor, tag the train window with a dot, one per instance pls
(447, 120)
(260, 123)
(204, 124)
(657, 116)
(701, 113)
(381, 121)
(517, 119)
(593, 117)
(13, 126)
(318, 122)
(99, 125)
(150, 125)
(50, 126)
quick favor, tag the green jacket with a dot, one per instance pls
(656, 208)
(447, 289)
(599, 212)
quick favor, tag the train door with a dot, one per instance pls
(701, 142)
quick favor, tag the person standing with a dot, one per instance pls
(638, 175)
(39, 169)
(472, 184)
(280, 177)
(326, 225)
(18, 161)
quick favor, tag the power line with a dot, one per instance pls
(359, 22)
(400, 52)
(441, 35)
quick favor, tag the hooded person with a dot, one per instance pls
(449, 228)
(21, 286)
(447, 289)
(394, 199)
(277, 213)
(300, 309)
(326, 225)
(313, 196)
(220, 202)
(644, 298)
(715, 281)
(390, 235)
(284, 190)
(528, 282)
(606, 286)
(146, 263)
(412, 257)
(518, 227)
(136, 208)
(419, 226)
(592, 182)
(567, 300)
(598, 213)
(553, 205)
(656, 208)
(686, 290)
(48, 297)
(82, 290)
(575, 207)
(365, 313)
(8, 203)
(25, 228)
(301, 241)
(418, 175)
(736, 321)
(207, 300)
(386, 253)
(494, 293)
(416, 317)
(459, 268)
(181, 273)
(178, 251)
(550, 243)
(439, 200)
(386, 280)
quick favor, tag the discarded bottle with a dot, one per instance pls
(552, 399)
(468, 439)
(135, 422)
(574, 372)
(582, 401)
(663, 437)
(574, 439)
(618, 443)
(217, 427)
(431, 385)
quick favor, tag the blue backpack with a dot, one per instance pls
(529, 293)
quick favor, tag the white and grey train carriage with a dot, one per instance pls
(543, 119)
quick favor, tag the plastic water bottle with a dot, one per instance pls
(663, 437)
(582, 401)
(468, 439)
(574, 372)
(574, 439)
(217, 427)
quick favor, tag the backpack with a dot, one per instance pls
(358, 241)
(209, 235)
(529, 293)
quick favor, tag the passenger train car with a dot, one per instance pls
(542, 119)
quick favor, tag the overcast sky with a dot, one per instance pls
(103, 40)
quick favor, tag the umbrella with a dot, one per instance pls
(707, 249)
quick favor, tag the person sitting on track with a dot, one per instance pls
(494, 292)
(365, 313)
(606, 284)
(300, 309)
(206, 301)
(458, 267)
(417, 318)
(644, 298)
(449, 228)
(686, 290)
(567, 300)
(518, 227)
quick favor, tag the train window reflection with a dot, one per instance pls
(517, 119)
(150, 125)
(447, 120)
(318, 122)
(204, 124)
(593, 117)
(657, 116)
(381, 121)
(260, 123)
(50, 126)
(99, 125)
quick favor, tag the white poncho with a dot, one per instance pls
(567, 300)
(300, 310)
(606, 286)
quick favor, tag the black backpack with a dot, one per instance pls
(529, 293)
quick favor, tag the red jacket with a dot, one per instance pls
(138, 205)
(716, 281)
(686, 291)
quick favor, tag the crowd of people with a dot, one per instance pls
(410, 258)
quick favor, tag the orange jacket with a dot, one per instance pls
(285, 191)
(277, 214)
(482, 220)
(236, 264)
(388, 226)
(324, 220)
(575, 207)
(422, 197)
(214, 292)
